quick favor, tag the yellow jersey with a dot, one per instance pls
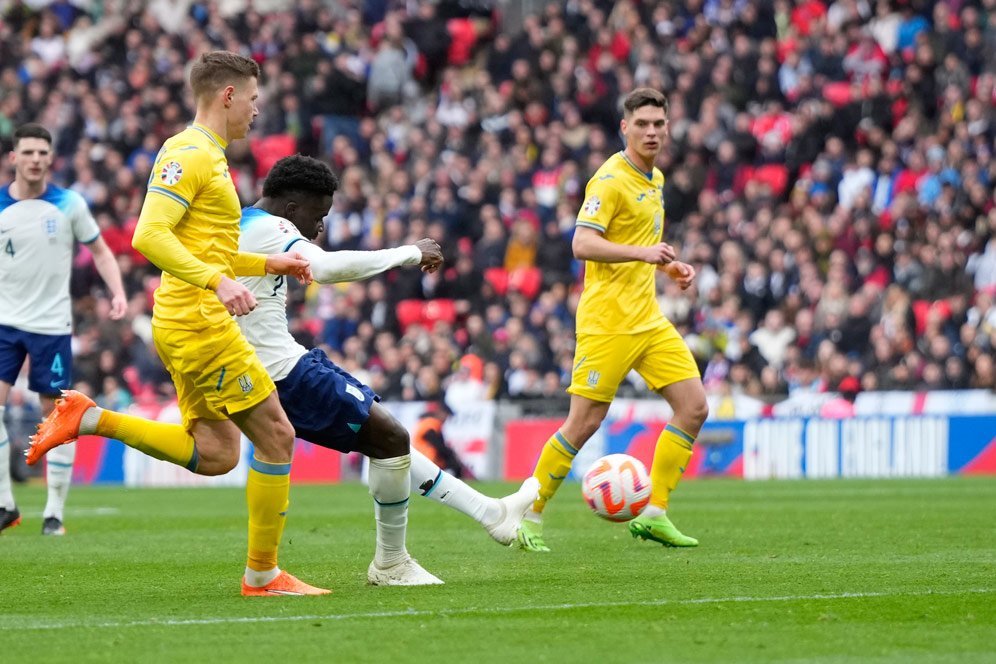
(626, 205)
(189, 228)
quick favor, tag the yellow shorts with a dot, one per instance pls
(601, 361)
(215, 371)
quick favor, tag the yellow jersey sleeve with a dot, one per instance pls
(184, 172)
(601, 201)
(250, 265)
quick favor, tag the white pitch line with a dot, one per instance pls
(82, 512)
(413, 613)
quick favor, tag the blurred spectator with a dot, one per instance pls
(842, 406)
(427, 438)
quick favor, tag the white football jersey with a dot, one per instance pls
(37, 238)
(266, 326)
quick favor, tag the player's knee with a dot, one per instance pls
(698, 411)
(217, 462)
(396, 439)
(283, 437)
(278, 443)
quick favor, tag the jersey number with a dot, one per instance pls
(9, 248)
(276, 286)
(57, 365)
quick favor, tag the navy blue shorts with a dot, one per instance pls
(51, 359)
(326, 405)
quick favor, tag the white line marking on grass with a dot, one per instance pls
(82, 511)
(32, 624)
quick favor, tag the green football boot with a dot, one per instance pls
(530, 537)
(659, 529)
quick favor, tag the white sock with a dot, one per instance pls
(88, 425)
(390, 488)
(258, 579)
(533, 515)
(438, 485)
(58, 475)
(652, 511)
(6, 494)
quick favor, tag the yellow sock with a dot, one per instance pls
(674, 449)
(169, 442)
(553, 466)
(267, 493)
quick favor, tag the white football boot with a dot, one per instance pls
(513, 508)
(406, 573)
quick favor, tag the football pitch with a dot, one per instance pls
(838, 571)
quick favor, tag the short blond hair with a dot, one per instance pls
(217, 69)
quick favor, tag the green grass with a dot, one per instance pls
(845, 571)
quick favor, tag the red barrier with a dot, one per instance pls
(314, 464)
(523, 442)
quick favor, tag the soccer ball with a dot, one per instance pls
(616, 487)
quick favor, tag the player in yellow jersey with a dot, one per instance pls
(620, 325)
(189, 227)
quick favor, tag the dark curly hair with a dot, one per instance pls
(302, 174)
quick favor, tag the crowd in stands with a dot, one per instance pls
(830, 175)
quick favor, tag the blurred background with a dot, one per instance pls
(830, 175)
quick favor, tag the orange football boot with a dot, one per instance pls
(61, 426)
(284, 584)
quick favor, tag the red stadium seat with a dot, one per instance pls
(776, 176)
(409, 313)
(838, 94)
(426, 314)
(268, 150)
(498, 278)
(438, 310)
(526, 280)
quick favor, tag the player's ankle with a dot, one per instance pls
(258, 579)
(534, 516)
(90, 420)
(650, 511)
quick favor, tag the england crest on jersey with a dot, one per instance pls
(171, 173)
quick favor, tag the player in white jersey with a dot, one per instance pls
(39, 227)
(328, 406)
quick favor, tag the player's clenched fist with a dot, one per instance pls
(236, 297)
(292, 264)
(659, 254)
(432, 255)
(681, 273)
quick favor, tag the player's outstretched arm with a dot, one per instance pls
(331, 267)
(590, 245)
(107, 268)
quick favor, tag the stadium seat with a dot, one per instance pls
(268, 150)
(776, 176)
(438, 310)
(426, 314)
(409, 313)
(837, 93)
(498, 278)
(526, 280)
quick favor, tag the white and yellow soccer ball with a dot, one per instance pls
(616, 487)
